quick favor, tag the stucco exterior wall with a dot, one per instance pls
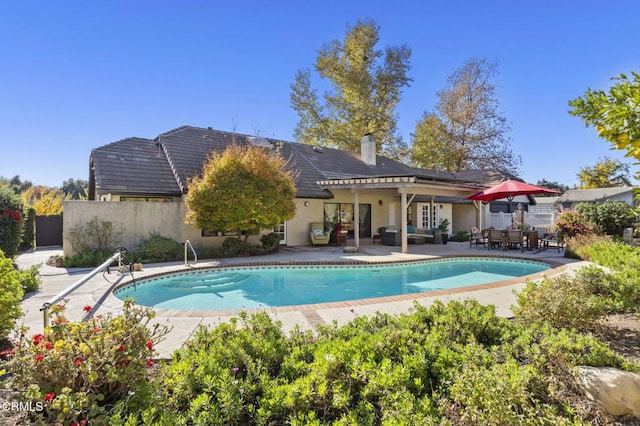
(135, 221)
(464, 217)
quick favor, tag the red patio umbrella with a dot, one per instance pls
(509, 189)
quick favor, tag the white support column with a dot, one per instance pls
(403, 220)
(478, 205)
(356, 220)
(432, 211)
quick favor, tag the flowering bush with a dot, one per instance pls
(80, 369)
(572, 223)
(10, 220)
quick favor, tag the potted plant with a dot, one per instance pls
(443, 226)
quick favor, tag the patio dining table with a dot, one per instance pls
(531, 239)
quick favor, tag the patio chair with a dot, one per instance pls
(554, 239)
(478, 237)
(318, 235)
(495, 238)
(515, 239)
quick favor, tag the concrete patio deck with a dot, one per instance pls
(97, 292)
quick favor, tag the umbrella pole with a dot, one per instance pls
(511, 209)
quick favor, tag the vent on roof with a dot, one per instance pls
(259, 141)
(317, 148)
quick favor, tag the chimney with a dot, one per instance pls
(368, 150)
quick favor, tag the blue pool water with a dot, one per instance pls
(268, 286)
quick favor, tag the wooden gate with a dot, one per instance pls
(48, 231)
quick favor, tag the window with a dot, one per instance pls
(148, 199)
(342, 213)
(429, 220)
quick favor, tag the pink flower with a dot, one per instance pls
(149, 345)
(49, 397)
(78, 361)
(48, 345)
(149, 362)
(39, 357)
(120, 348)
(87, 308)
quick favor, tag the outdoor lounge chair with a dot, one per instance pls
(318, 235)
(478, 237)
(554, 239)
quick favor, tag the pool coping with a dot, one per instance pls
(114, 302)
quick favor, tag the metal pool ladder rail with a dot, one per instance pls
(195, 255)
(45, 307)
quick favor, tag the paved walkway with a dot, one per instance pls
(97, 292)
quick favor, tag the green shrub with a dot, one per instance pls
(615, 255)
(11, 293)
(446, 364)
(562, 301)
(11, 220)
(87, 260)
(462, 235)
(159, 248)
(234, 247)
(612, 217)
(92, 243)
(270, 243)
(78, 370)
(29, 236)
(30, 279)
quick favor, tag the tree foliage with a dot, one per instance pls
(615, 115)
(243, 189)
(75, 189)
(16, 184)
(466, 130)
(366, 85)
(552, 185)
(607, 173)
(46, 201)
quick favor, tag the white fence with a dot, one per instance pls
(535, 220)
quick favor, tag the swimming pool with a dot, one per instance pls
(270, 286)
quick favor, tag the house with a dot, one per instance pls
(570, 198)
(142, 183)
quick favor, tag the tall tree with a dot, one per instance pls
(45, 201)
(466, 130)
(243, 189)
(75, 189)
(17, 184)
(552, 185)
(366, 85)
(615, 115)
(606, 173)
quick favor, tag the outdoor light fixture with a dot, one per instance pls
(380, 203)
(306, 204)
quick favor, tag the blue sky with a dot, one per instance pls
(77, 75)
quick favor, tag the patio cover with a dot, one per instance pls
(407, 188)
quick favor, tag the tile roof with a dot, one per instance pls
(165, 165)
(591, 195)
(133, 166)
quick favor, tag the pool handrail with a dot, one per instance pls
(187, 243)
(45, 307)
